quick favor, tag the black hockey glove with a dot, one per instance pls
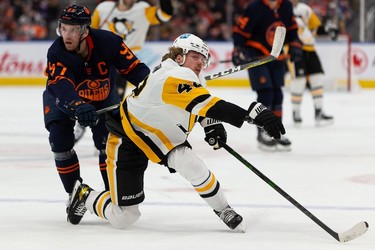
(264, 118)
(214, 131)
(85, 114)
(239, 56)
(296, 53)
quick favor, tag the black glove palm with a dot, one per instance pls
(262, 117)
(86, 115)
(214, 131)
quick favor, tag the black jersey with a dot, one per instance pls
(71, 77)
(256, 26)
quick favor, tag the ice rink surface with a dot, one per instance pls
(330, 171)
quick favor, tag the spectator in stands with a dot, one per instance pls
(30, 25)
(7, 22)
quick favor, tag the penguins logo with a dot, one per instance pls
(121, 27)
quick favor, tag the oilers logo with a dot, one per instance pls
(270, 33)
(121, 27)
(94, 90)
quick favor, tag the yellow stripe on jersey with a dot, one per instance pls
(95, 20)
(181, 93)
(308, 48)
(192, 122)
(314, 21)
(150, 14)
(113, 142)
(210, 104)
(136, 139)
(157, 132)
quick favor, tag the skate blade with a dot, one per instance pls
(322, 124)
(298, 124)
(240, 229)
(267, 148)
(281, 148)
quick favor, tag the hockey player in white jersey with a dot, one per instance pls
(308, 70)
(131, 20)
(153, 123)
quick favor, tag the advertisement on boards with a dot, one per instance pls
(23, 63)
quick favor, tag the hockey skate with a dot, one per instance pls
(297, 119)
(77, 208)
(230, 218)
(322, 119)
(283, 144)
(265, 142)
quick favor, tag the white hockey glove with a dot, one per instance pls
(264, 118)
(214, 131)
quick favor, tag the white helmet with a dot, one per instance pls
(188, 42)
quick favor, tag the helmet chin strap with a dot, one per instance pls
(80, 42)
(183, 60)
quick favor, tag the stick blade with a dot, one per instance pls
(354, 232)
(278, 41)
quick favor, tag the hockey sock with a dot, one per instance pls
(67, 165)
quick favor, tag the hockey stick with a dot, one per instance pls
(354, 232)
(277, 45)
(222, 61)
(107, 109)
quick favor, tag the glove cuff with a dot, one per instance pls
(75, 103)
(209, 122)
(255, 109)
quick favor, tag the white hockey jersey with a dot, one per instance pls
(159, 115)
(308, 22)
(132, 25)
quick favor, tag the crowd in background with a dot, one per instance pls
(24, 20)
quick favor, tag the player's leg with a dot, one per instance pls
(126, 166)
(184, 161)
(61, 140)
(297, 89)
(316, 77)
(260, 80)
(277, 72)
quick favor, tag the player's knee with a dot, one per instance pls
(122, 217)
(316, 81)
(298, 85)
(187, 164)
(266, 96)
(63, 156)
(278, 97)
